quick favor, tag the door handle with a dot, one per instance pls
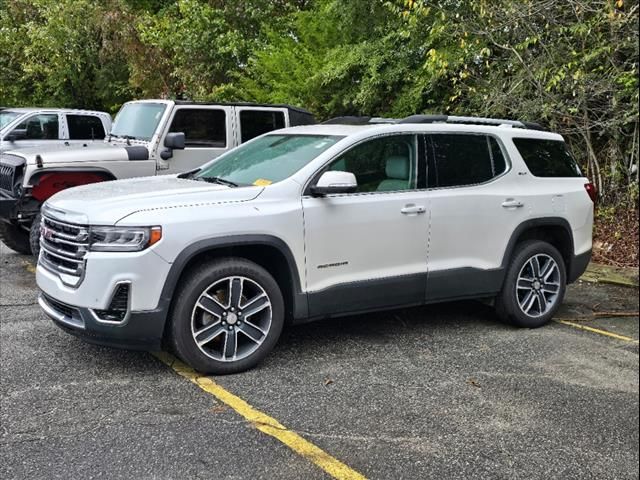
(413, 209)
(511, 203)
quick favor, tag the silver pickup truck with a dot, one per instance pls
(47, 127)
(148, 137)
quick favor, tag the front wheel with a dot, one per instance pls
(34, 235)
(227, 316)
(534, 286)
(15, 237)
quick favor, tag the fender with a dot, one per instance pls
(48, 182)
(533, 223)
(300, 306)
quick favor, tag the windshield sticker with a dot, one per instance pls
(261, 182)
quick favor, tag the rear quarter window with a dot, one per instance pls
(547, 158)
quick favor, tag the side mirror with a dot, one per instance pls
(334, 182)
(16, 134)
(174, 141)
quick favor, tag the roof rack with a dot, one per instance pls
(244, 104)
(470, 121)
(348, 120)
(356, 120)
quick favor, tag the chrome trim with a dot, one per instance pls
(62, 242)
(127, 316)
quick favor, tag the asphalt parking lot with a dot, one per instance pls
(444, 391)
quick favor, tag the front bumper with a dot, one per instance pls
(103, 271)
(8, 205)
(84, 310)
(141, 330)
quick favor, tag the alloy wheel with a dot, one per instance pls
(231, 319)
(538, 285)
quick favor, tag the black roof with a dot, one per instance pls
(245, 104)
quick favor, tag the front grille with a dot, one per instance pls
(63, 312)
(7, 174)
(63, 249)
(10, 170)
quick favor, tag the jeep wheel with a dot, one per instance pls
(227, 316)
(15, 238)
(534, 286)
(34, 236)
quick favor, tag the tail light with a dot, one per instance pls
(592, 191)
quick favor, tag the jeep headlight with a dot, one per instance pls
(123, 239)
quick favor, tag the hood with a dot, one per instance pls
(89, 152)
(108, 202)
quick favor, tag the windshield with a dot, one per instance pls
(7, 116)
(138, 120)
(268, 159)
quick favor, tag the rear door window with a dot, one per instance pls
(85, 127)
(202, 128)
(44, 126)
(547, 158)
(254, 123)
(456, 160)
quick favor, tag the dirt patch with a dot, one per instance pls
(615, 236)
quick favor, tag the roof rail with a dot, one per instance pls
(469, 121)
(347, 120)
(355, 120)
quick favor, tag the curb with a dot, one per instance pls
(621, 276)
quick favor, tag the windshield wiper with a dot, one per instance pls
(189, 174)
(125, 137)
(221, 181)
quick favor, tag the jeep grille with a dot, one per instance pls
(63, 247)
(10, 167)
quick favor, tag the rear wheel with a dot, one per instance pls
(534, 286)
(227, 316)
(15, 237)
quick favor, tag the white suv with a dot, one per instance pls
(318, 221)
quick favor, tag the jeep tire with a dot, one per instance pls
(534, 285)
(34, 236)
(227, 316)
(15, 237)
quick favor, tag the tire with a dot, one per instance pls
(15, 238)
(531, 295)
(34, 236)
(217, 319)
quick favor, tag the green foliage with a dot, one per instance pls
(571, 65)
(51, 54)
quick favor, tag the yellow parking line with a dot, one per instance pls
(598, 331)
(264, 422)
(29, 266)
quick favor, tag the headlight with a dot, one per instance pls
(123, 239)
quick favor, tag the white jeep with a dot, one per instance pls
(314, 222)
(149, 137)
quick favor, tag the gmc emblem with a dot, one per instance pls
(46, 233)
